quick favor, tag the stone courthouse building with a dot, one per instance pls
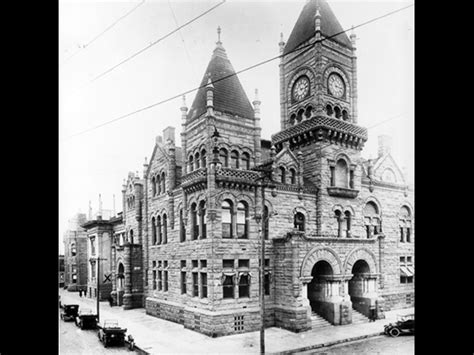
(338, 229)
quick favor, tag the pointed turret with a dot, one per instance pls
(229, 95)
(314, 12)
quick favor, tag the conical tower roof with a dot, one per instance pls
(229, 95)
(305, 28)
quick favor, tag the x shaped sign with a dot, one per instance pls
(107, 278)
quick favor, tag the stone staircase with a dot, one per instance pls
(358, 318)
(318, 322)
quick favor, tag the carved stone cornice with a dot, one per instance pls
(322, 128)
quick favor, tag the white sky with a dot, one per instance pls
(98, 161)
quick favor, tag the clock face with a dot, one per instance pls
(301, 88)
(336, 85)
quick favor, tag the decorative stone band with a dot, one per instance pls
(322, 128)
(324, 238)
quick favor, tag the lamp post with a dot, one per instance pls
(98, 284)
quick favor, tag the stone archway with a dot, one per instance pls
(360, 269)
(322, 278)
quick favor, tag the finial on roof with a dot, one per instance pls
(256, 95)
(184, 100)
(218, 35)
(209, 81)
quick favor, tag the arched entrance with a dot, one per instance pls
(362, 288)
(120, 284)
(319, 289)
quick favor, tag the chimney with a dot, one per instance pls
(99, 214)
(168, 134)
(385, 145)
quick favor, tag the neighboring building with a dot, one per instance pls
(75, 254)
(61, 270)
(100, 238)
(339, 229)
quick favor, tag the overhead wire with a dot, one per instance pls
(156, 42)
(307, 46)
(102, 33)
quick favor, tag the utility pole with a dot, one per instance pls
(262, 273)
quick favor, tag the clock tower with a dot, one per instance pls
(318, 105)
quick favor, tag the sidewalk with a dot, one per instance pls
(157, 336)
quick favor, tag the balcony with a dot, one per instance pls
(342, 192)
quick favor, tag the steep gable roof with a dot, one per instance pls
(304, 28)
(229, 95)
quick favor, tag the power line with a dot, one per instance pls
(155, 42)
(103, 32)
(235, 73)
(182, 39)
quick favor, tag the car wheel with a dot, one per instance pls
(394, 332)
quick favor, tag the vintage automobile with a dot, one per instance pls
(86, 319)
(404, 324)
(110, 333)
(69, 311)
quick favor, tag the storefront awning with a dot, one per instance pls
(405, 271)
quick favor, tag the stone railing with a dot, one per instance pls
(197, 175)
(230, 174)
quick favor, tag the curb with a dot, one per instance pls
(329, 343)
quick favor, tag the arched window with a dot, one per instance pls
(329, 111)
(299, 115)
(163, 182)
(196, 161)
(283, 175)
(202, 219)
(299, 221)
(194, 222)
(153, 186)
(153, 231)
(341, 173)
(339, 220)
(293, 176)
(131, 236)
(165, 229)
(293, 119)
(191, 163)
(120, 277)
(308, 111)
(265, 222)
(348, 217)
(158, 226)
(227, 213)
(234, 159)
(405, 225)
(203, 159)
(371, 219)
(345, 116)
(337, 112)
(245, 161)
(158, 185)
(242, 220)
(73, 249)
(224, 157)
(182, 227)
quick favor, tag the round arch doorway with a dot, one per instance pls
(120, 284)
(362, 288)
(319, 289)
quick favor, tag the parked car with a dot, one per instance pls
(110, 333)
(86, 319)
(69, 311)
(404, 324)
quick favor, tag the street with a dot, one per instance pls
(384, 345)
(73, 340)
